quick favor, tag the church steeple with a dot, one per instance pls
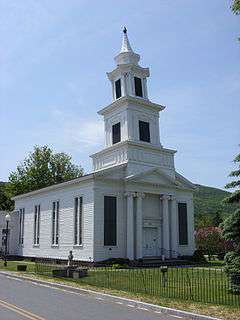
(126, 47)
(131, 121)
(126, 55)
(128, 79)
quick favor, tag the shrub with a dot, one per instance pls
(198, 256)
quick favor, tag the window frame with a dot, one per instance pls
(186, 243)
(141, 134)
(78, 223)
(55, 223)
(114, 244)
(118, 89)
(36, 225)
(119, 133)
(21, 226)
(138, 86)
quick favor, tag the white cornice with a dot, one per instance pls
(127, 100)
(144, 72)
(132, 143)
(55, 186)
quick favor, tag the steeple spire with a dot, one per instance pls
(126, 47)
(126, 55)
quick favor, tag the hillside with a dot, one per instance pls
(208, 202)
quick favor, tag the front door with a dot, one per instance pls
(150, 242)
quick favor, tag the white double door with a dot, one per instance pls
(150, 242)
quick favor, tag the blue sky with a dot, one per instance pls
(54, 57)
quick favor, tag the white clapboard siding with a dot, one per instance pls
(65, 196)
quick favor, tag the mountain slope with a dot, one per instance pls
(208, 202)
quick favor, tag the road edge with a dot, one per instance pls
(112, 298)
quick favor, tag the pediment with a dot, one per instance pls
(154, 176)
(157, 177)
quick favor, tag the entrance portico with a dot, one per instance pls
(151, 225)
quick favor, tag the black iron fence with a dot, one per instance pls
(208, 285)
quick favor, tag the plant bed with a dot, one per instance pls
(60, 273)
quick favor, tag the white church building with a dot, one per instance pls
(133, 205)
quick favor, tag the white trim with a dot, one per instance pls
(55, 186)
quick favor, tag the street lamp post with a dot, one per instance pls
(8, 219)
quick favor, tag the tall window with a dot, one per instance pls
(144, 131)
(21, 225)
(36, 225)
(110, 221)
(118, 90)
(78, 221)
(55, 222)
(138, 86)
(116, 133)
(182, 224)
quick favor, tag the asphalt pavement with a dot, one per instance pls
(21, 300)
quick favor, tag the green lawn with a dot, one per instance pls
(12, 265)
(196, 284)
(209, 285)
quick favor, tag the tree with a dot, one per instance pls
(40, 169)
(236, 6)
(6, 204)
(210, 241)
(231, 229)
(235, 196)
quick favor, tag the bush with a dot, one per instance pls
(198, 256)
(115, 261)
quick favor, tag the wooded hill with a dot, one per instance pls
(208, 203)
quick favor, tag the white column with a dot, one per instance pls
(174, 227)
(165, 224)
(139, 226)
(130, 226)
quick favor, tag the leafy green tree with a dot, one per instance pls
(236, 6)
(235, 196)
(40, 169)
(6, 204)
(231, 229)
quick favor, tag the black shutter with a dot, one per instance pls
(110, 221)
(138, 86)
(118, 88)
(144, 131)
(116, 133)
(182, 224)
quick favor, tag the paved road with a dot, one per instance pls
(21, 300)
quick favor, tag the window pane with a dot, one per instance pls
(53, 222)
(138, 86)
(57, 223)
(182, 224)
(110, 221)
(118, 90)
(35, 224)
(80, 220)
(144, 132)
(116, 133)
(75, 220)
(38, 225)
